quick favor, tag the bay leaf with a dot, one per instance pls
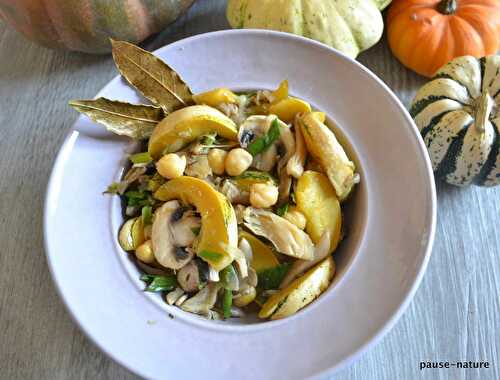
(132, 120)
(156, 80)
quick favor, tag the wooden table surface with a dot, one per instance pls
(454, 316)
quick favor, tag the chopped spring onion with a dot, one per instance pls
(282, 210)
(227, 302)
(210, 256)
(159, 283)
(263, 143)
(147, 215)
(141, 158)
(229, 278)
(272, 278)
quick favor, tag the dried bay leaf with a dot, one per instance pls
(132, 120)
(156, 80)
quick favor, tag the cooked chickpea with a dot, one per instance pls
(246, 299)
(237, 161)
(145, 252)
(217, 160)
(263, 195)
(171, 166)
(294, 216)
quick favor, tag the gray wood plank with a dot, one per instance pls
(454, 316)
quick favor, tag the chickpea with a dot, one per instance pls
(294, 216)
(237, 161)
(263, 195)
(171, 166)
(217, 160)
(245, 299)
(145, 252)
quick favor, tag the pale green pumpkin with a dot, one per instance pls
(350, 26)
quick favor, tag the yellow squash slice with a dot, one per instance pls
(215, 97)
(317, 200)
(263, 256)
(324, 147)
(218, 220)
(300, 292)
(187, 124)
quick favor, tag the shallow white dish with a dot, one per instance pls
(390, 221)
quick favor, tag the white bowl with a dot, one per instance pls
(390, 222)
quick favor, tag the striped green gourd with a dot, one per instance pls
(458, 114)
(87, 25)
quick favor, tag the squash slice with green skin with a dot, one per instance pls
(186, 125)
(218, 221)
(325, 148)
(300, 292)
(263, 256)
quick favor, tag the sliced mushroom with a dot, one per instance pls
(286, 150)
(257, 126)
(267, 160)
(233, 193)
(183, 229)
(203, 301)
(286, 237)
(165, 249)
(174, 295)
(189, 277)
(198, 166)
(295, 165)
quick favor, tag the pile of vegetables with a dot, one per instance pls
(233, 205)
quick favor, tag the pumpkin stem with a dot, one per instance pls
(447, 7)
(484, 106)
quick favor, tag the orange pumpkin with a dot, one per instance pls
(85, 25)
(426, 34)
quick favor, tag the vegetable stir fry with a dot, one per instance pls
(234, 204)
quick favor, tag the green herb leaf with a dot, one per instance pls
(159, 283)
(282, 210)
(227, 302)
(196, 230)
(147, 215)
(272, 278)
(138, 198)
(208, 139)
(263, 143)
(211, 256)
(141, 158)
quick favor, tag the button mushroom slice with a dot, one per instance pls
(188, 277)
(203, 301)
(321, 251)
(286, 150)
(183, 229)
(257, 126)
(295, 165)
(286, 237)
(165, 251)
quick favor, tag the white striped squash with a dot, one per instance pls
(458, 114)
